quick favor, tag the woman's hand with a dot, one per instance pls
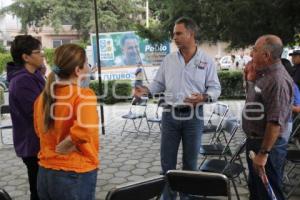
(65, 146)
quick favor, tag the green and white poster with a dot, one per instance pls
(124, 49)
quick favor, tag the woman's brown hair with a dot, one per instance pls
(66, 58)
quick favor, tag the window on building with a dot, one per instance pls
(56, 43)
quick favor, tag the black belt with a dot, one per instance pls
(181, 109)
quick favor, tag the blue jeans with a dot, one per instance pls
(57, 184)
(274, 169)
(175, 129)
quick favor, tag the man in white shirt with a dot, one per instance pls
(188, 78)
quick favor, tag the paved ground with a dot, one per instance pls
(124, 158)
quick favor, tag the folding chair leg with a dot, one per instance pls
(151, 125)
(124, 127)
(245, 175)
(138, 128)
(205, 157)
(212, 138)
(2, 141)
(148, 125)
(244, 172)
(235, 189)
(225, 137)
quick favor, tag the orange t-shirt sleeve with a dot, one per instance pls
(86, 122)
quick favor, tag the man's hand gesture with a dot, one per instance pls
(250, 71)
(195, 99)
(140, 91)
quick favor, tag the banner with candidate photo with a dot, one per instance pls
(124, 49)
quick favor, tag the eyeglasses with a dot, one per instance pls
(38, 52)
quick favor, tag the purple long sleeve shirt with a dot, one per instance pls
(24, 88)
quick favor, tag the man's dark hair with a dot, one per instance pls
(189, 24)
(128, 36)
(23, 44)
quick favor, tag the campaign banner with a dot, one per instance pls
(124, 49)
(127, 73)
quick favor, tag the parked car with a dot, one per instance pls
(225, 62)
(233, 62)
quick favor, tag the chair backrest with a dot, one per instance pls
(138, 105)
(219, 112)
(199, 183)
(142, 190)
(141, 101)
(230, 125)
(221, 109)
(240, 149)
(4, 109)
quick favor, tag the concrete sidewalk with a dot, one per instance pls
(123, 159)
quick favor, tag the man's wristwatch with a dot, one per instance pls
(207, 98)
(264, 152)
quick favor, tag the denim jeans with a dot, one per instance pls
(274, 169)
(58, 184)
(174, 130)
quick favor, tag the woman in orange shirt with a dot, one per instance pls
(66, 121)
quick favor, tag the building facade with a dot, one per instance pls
(10, 26)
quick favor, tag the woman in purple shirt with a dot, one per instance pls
(26, 82)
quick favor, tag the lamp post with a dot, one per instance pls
(99, 66)
(147, 13)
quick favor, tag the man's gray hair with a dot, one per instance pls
(273, 44)
(189, 24)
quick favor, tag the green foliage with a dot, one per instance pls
(119, 15)
(239, 22)
(231, 84)
(83, 43)
(114, 91)
(49, 55)
(4, 58)
(113, 15)
(2, 48)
